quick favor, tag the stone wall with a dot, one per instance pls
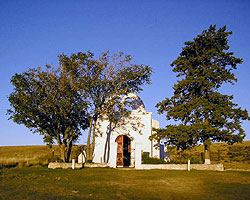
(56, 165)
(212, 167)
(95, 165)
(165, 166)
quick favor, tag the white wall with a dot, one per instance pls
(138, 127)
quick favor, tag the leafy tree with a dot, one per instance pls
(115, 76)
(104, 81)
(59, 103)
(204, 114)
(48, 102)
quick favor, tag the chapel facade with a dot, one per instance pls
(123, 144)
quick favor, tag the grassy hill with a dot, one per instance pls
(11, 156)
(235, 156)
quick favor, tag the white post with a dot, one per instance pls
(138, 156)
(73, 163)
(188, 165)
(113, 154)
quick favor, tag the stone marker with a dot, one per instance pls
(81, 158)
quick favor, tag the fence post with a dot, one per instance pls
(73, 163)
(188, 167)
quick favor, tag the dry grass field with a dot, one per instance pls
(236, 157)
(12, 156)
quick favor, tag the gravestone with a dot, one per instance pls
(81, 158)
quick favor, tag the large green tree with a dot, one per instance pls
(104, 81)
(203, 113)
(115, 76)
(49, 102)
(59, 103)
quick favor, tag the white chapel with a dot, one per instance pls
(123, 145)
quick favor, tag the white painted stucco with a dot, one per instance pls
(138, 127)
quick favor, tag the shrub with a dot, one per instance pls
(147, 160)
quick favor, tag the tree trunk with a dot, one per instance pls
(62, 151)
(53, 156)
(207, 145)
(65, 149)
(93, 142)
(68, 151)
(88, 142)
(107, 145)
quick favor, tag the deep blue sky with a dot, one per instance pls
(33, 33)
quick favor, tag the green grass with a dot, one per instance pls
(104, 183)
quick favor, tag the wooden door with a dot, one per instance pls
(126, 151)
(119, 158)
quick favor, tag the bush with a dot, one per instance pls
(147, 160)
(195, 160)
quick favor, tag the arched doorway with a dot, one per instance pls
(123, 151)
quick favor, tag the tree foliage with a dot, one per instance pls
(48, 102)
(111, 77)
(203, 113)
(60, 103)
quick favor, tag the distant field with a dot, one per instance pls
(12, 156)
(235, 156)
(103, 183)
